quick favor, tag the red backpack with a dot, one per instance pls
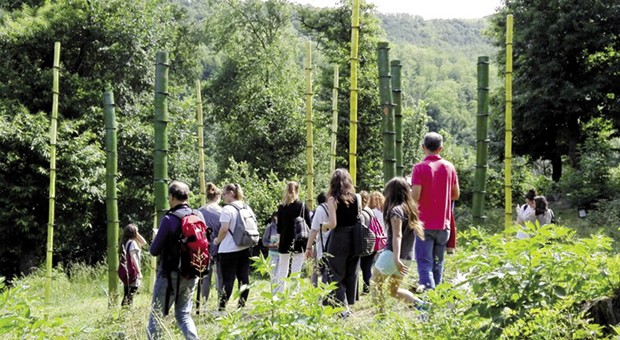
(194, 245)
(380, 237)
(127, 268)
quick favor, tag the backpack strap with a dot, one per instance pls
(369, 215)
(301, 212)
(238, 212)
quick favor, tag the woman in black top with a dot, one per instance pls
(288, 210)
(342, 264)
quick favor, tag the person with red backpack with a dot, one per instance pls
(180, 236)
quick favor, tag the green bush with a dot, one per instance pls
(531, 282)
(20, 320)
(591, 180)
(263, 195)
(294, 313)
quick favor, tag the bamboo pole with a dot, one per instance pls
(508, 136)
(111, 197)
(160, 163)
(334, 130)
(482, 141)
(387, 108)
(309, 128)
(396, 68)
(355, 26)
(52, 187)
(201, 146)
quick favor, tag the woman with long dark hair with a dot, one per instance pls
(342, 264)
(403, 225)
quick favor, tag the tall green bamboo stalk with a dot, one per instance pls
(160, 160)
(482, 141)
(387, 108)
(52, 188)
(201, 146)
(354, 60)
(396, 68)
(508, 131)
(309, 127)
(111, 198)
(334, 130)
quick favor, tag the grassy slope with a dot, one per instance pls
(82, 303)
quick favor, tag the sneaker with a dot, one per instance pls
(345, 314)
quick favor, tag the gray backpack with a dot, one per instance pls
(246, 227)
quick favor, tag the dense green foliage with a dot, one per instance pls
(497, 286)
(104, 44)
(249, 56)
(331, 27)
(566, 72)
(255, 97)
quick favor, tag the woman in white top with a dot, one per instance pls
(234, 260)
(130, 245)
(544, 215)
(525, 212)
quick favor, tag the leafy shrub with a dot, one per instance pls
(591, 180)
(18, 319)
(263, 195)
(294, 313)
(526, 281)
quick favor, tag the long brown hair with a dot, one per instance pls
(398, 192)
(130, 232)
(341, 187)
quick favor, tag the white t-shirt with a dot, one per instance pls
(229, 215)
(525, 213)
(320, 217)
(379, 216)
(136, 255)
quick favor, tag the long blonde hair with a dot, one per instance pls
(376, 200)
(291, 193)
(398, 192)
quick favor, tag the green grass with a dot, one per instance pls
(495, 286)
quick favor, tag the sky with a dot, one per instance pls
(428, 9)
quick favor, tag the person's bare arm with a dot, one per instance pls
(397, 238)
(331, 207)
(416, 190)
(456, 192)
(309, 245)
(222, 234)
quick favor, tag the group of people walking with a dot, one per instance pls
(415, 216)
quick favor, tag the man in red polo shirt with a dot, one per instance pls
(434, 184)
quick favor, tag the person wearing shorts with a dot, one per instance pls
(402, 223)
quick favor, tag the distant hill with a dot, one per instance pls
(465, 35)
